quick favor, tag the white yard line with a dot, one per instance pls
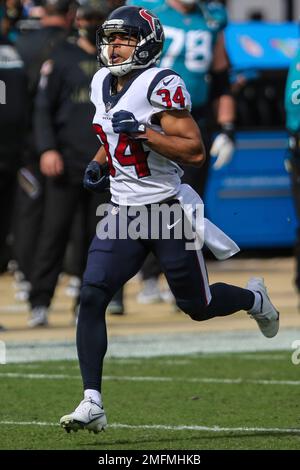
(261, 357)
(125, 378)
(173, 344)
(168, 362)
(167, 427)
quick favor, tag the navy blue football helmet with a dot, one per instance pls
(134, 22)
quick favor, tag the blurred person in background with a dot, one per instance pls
(35, 46)
(195, 49)
(11, 12)
(13, 117)
(292, 106)
(65, 142)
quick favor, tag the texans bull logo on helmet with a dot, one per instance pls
(154, 24)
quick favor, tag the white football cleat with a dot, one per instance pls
(267, 317)
(88, 415)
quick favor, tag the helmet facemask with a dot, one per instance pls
(140, 58)
(103, 45)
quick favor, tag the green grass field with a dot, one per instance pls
(224, 401)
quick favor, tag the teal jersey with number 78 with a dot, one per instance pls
(190, 42)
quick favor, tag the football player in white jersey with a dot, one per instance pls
(143, 122)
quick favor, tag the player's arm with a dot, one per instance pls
(223, 146)
(100, 156)
(181, 141)
(96, 176)
(220, 83)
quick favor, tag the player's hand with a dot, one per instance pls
(96, 177)
(223, 148)
(124, 122)
(51, 163)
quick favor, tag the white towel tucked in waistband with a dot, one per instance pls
(214, 238)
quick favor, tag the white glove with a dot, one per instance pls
(222, 149)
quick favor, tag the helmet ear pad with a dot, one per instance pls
(137, 22)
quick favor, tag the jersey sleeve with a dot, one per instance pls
(95, 87)
(170, 93)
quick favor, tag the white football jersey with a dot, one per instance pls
(138, 174)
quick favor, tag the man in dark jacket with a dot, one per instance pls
(13, 112)
(65, 142)
(35, 47)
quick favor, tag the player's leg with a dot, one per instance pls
(110, 264)
(84, 233)
(187, 276)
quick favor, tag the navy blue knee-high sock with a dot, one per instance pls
(228, 299)
(91, 335)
